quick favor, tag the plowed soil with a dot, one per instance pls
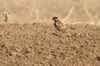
(42, 45)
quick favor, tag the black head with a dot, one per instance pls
(55, 19)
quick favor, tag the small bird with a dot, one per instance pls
(58, 24)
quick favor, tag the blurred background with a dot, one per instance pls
(29, 11)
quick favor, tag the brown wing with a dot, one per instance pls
(61, 24)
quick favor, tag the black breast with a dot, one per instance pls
(57, 26)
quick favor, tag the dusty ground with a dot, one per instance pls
(25, 42)
(41, 45)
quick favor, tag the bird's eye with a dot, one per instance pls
(54, 19)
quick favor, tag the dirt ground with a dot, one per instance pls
(30, 39)
(42, 45)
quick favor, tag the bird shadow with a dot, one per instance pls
(56, 34)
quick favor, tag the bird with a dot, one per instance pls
(59, 25)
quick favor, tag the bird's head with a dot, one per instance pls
(55, 19)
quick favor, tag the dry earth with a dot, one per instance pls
(41, 45)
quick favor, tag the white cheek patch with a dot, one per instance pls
(57, 19)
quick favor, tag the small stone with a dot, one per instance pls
(98, 58)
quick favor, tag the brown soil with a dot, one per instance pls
(42, 45)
